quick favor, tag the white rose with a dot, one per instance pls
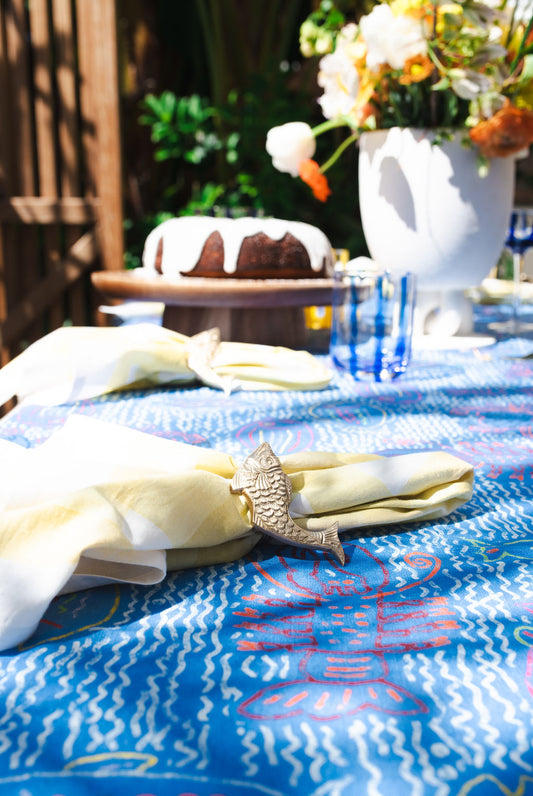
(375, 29)
(290, 144)
(407, 41)
(347, 34)
(340, 80)
(390, 39)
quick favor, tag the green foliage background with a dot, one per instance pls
(203, 82)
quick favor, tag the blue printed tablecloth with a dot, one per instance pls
(407, 671)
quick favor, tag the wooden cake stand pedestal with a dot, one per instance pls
(265, 311)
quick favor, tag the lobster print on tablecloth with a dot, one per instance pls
(346, 630)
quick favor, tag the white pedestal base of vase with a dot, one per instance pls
(425, 209)
(443, 312)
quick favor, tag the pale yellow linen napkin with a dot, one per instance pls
(80, 362)
(98, 503)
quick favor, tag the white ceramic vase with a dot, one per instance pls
(425, 209)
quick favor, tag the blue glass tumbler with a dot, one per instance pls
(372, 321)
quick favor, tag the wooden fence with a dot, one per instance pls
(60, 163)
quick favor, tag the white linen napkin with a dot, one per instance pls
(79, 362)
(99, 503)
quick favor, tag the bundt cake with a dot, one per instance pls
(239, 248)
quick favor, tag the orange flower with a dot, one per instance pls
(416, 69)
(507, 132)
(310, 173)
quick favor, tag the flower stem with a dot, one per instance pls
(338, 152)
(330, 124)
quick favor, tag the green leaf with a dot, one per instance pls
(232, 140)
(195, 155)
(163, 154)
(526, 75)
(168, 102)
(152, 102)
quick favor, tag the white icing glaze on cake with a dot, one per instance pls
(184, 239)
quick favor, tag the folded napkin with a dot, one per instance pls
(99, 503)
(78, 362)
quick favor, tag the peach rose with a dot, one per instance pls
(505, 133)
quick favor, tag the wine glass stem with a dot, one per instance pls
(518, 260)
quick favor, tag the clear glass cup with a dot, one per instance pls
(372, 321)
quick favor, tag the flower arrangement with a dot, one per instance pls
(464, 65)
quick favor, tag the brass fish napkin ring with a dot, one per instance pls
(268, 491)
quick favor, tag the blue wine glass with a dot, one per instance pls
(519, 240)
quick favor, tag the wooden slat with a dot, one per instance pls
(45, 126)
(7, 163)
(6, 186)
(97, 37)
(17, 55)
(68, 135)
(87, 98)
(48, 210)
(25, 183)
(78, 260)
(43, 101)
(67, 111)
(5, 355)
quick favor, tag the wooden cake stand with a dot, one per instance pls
(265, 311)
